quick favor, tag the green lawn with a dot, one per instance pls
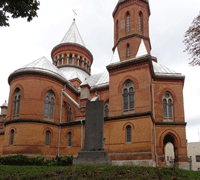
(94, 172)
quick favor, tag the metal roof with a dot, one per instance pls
(162, 70)
(142, 49)
(42, 65)
(73, 36)
(5, 104)
(115, 57)
(97, 80)
(73, 73)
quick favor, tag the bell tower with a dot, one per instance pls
(131, 28)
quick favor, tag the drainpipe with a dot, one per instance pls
(154, 124)
(81, 135)
(60, 119)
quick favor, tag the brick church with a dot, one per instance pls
(143, 100)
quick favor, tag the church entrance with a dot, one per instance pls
(169, 150)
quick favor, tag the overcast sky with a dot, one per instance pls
(24, 42)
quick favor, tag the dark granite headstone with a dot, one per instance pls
(93, 150)
(94, 126)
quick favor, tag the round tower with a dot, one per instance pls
(72, 57)
(131, 27)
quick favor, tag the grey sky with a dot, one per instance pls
(23, 42)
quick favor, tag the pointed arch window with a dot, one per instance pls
(167, 107)
(128, 96)
(127, 22)
(140, 21)
(16, 103)
(49, 106)
(128, 134)
(12, 137)
(117, 29)
(47, 138)
(106, 109)
(69, 143)
(69, 114)
(128, 50)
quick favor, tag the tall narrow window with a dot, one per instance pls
(47, 138)
(69, 143)
(49, 106)
(128, 96)
(69, 114)
(12, 137)
(128, 133)
(117, 29)
(128, 50)
(70, 59)
(127, 22)
(16, 103)
(140, 21)
(167, 107)
(106, 109)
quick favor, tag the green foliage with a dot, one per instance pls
(192, 41)
(95, 172)
(25, 9)
(21, 160)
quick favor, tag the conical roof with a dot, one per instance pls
(73, 36)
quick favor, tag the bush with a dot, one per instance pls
(38, 161)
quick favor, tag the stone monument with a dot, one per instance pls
(93, 152)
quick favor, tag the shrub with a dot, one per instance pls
(38, 161)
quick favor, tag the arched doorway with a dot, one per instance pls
(169, 149)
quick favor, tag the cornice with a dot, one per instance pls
(129, 36)
(43, 122)
(142, 59)
(148, 113)
(71, 44)
(171, 123)
(43, 73)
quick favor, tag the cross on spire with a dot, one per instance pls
(75, 14)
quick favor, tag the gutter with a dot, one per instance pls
(60, 120)
(154, 124)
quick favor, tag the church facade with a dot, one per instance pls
(143, 100)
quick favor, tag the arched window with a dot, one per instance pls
(69, 114)
(128, 96)
(128, 50)
(70, 59)
(127, 22)
(117, 29)
(47, 138)
(16, 103)
(140, 21)
(106, 109)
(167, 107)
(128, 133)
(69, 143)
(49, 106)
(12, 137)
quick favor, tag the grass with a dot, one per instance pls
(94, 172)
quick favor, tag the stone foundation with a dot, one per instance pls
(92, 158)
(144, 163)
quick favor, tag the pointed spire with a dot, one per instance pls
(73, 36)
(142, 49)
(115, 57)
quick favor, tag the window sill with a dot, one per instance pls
(168, 120)
(131, 111)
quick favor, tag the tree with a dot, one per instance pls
(25, 9)
(192, 41)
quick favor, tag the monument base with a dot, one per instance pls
(92, 158)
